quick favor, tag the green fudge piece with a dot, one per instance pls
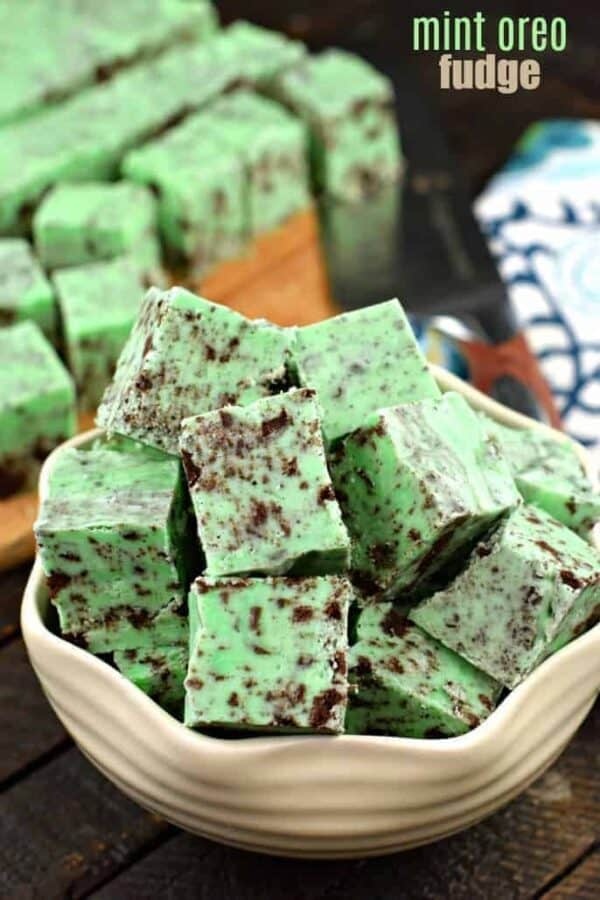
(134, 629)
(259, 55)
(200, 183)
(37, 405)
(86, 137)
(527, 590)
(272, 144)
(349, 109)
(359, 362)
(268, 654)
(575, 505)
(81, 223)
(408, 684)
(99, 304)
(417, 485)
(50, 50)
(123, 444)
(112, 535)
(25, 292)
(549, 475)
(261, 490)
(187, 356)
(160, 673)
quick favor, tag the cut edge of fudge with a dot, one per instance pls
(288, 704)
(554, 576)
(231, 361)
(409, 684)
(260, 529)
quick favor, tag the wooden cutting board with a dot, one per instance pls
(281, 278)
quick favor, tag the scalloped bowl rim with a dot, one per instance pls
(223, 760)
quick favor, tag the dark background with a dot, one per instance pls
(481, 126)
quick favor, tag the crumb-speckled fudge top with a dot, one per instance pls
(187, 356)
(178, 156)
(100, 488)
(334, 83)
(48, 50)
(85, 137)
(261, 490)
(82, 222)
(359, 362)
(29, 367)
(250, 123)
(258, 54)
(549, 475)
(22, 281)
(98, 294)
(268, 653)
(519, 590)
(528, 449)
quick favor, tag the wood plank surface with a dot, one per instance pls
(12, 585)
(29, 730)
(582, 882)
(65, 828)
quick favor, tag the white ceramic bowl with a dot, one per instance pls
(313, 796)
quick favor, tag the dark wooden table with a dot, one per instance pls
(65, 831)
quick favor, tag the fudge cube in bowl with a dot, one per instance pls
(418, 484)
(112, 535)
(408, 684)
(37, 405)
(525, 593)
(261, 490)
(268, 654)
(187, 356)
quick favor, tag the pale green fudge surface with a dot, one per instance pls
(49, 50)
(418, 484)
(200, 182)
(272, 144)
(37, 405)
(526, 591)
(258, 54)
(81, 223)
(549, 475)
(99, 304)
(349, 108)
(408, 684)
(261, 491)
(186, 356)
(25, 292)
(268, 654)
(112, 535)
(138, 630)
(359, 362)
(160, 673)
(86, 137)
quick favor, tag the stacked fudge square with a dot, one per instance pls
(293, 530)
(217, 135)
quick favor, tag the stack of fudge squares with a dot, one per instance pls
(169, 140)
(294, 530)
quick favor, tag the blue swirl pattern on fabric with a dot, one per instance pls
(541, 216)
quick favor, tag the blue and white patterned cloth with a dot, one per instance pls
(541, 215)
